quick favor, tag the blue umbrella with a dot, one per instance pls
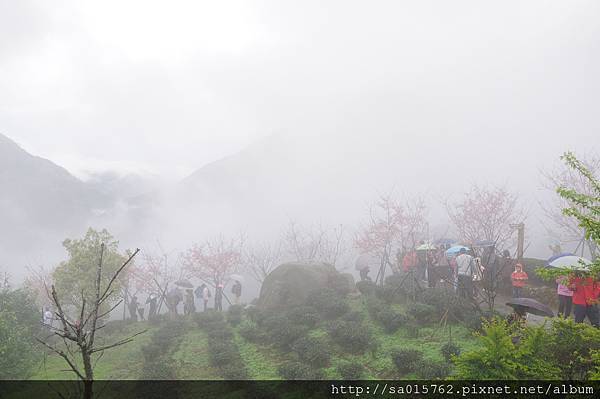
(455, 250)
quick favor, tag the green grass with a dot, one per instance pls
(123, 362)
(190, 355)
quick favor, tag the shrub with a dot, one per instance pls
(328, 303)
(282, 331)
(391, 319)
(208, 319)
(354, 317)
(442, 300)
(353, 337)
(312, 350)
(220, 332)
(305, 315)
(251, 332)
(158, 371)
(366, 288)
(431, 369)
(222, 353)
(406, 359)
(351, 370)
(255, 314)
(412, 330)
(299, 371)
(375, 305)
(422, 313)
(449, 349)
(234, 314)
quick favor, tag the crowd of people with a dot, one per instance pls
(467, 274)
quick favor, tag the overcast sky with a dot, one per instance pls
(165, 87)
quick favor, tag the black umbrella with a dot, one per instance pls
(530, 305)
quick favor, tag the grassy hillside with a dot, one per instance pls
(186, 352)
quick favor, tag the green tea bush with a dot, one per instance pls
(353, 337)
(432, 369)
(251, 332)
(234, 314)
(312, 350)
(423, 314)
(234, 371)
(304, 315)
(412, 330)
(329, 303)
(391, 320)
(354, 317)
(222, 354)
(449, 349)
(406, 360)
(282, 331)
(299, 371)
(366, 288)
(209, 319)
(351, 370)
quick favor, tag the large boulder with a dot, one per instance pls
(290, 284)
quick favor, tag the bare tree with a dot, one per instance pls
(565, 228)
(78, 336)
(392, 225)
(314, 243)
(261, 259)
(486, 214)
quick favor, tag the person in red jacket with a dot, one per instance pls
(586, 291)
(519, 279)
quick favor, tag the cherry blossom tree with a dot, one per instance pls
(486, 214)
(213, 260)
(392, 225)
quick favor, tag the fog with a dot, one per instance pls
(207, 118)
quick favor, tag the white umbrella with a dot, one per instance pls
(570, 262)
(426, 247)
(237, 277)
(363, 262)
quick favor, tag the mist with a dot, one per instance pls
(191, 128)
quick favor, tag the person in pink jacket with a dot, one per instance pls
(565, 297)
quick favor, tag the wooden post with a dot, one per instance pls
(521, 242)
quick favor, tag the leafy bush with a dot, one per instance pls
(353, 337)
(391, 319)
(282, 331)
(431, 369)
(234, 314)
(158, 371)
(442, 299)
(299, 371)
(354, 317)
(366, 288)
(208, 319)
(312, 350)
(406, 360)
(305, 315)
(329, 303)
(422, 313)
(255, 314)
(412, 330)
(251, 332)
(351, 370)
(222, 353)
(449, 349)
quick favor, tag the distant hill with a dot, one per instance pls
(39, 200)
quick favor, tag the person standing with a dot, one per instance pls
(48, 318)
(219, 297)
(519, 279)
(236, 290)
(464, 272)
(565, 297)
(133, 306)
(153, 301)
(189, 306)
(364, 274)
(585, 299)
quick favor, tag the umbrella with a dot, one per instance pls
(184, 283)
(569, 262)
(530, 305)
(455, 250)
(484, 243)
(363, 262)
(237, 277)
(426, 247)
(554, 257)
